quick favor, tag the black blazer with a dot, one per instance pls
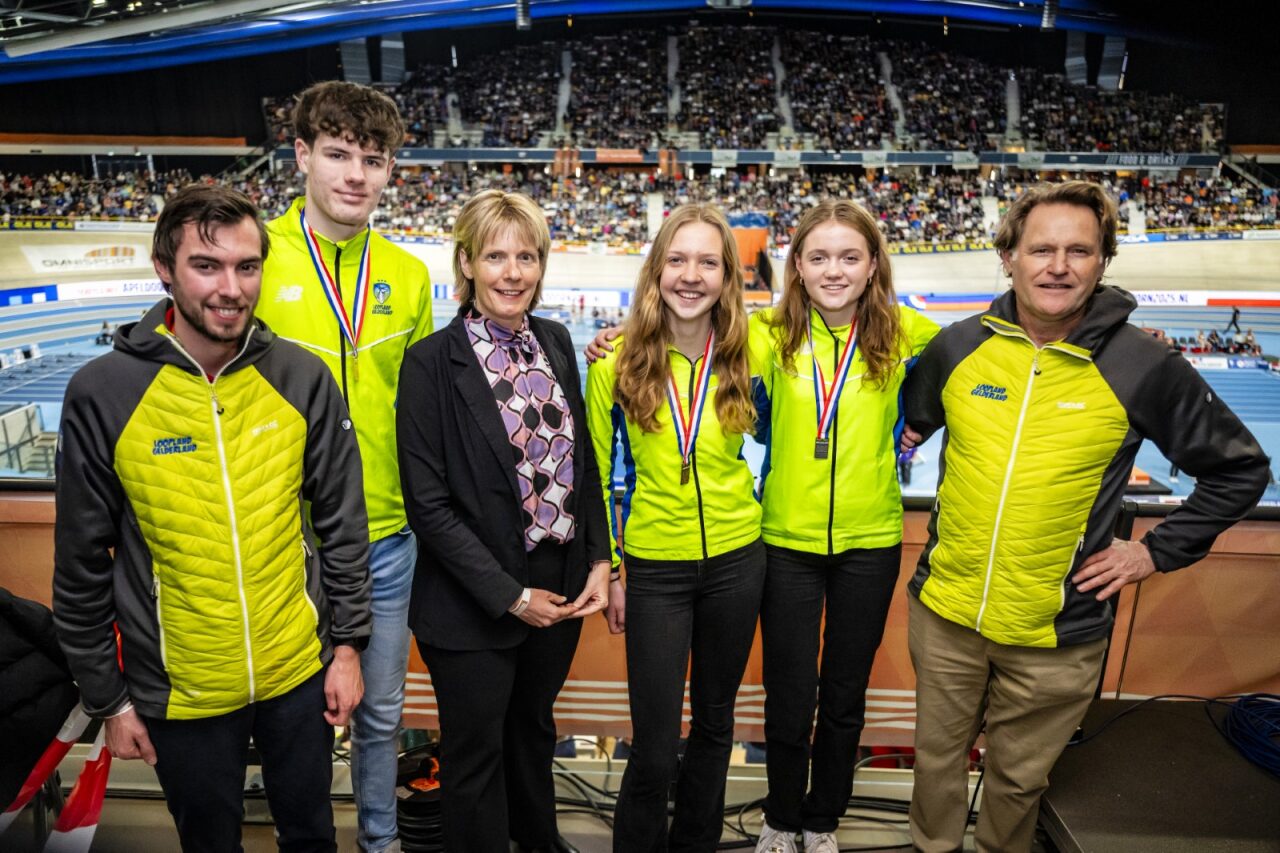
(457, 471)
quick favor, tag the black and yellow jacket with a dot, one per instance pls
(1038, 449)
(180, 520)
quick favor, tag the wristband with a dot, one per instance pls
(522, 604)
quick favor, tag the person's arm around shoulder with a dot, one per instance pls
(762, 342)
(1196, 431)
(333, 483)
(922, 393)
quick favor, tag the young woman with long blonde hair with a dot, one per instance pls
(832, 357)
(676, 396)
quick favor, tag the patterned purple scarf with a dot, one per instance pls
(538, 422)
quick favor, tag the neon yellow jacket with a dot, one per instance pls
(1039, 445)
(399, 314)
(850, 499)
(180, 524)
(662, 519)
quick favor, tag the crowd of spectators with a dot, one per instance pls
(127, 195)
(950, 102)
(727, 85)
(610, 205)
(619, 91)
(1242, 343)
(729, 97)
(1202, 203)
(512, 96)
(834, 86)
(1063, 116)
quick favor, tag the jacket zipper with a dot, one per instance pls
(1004, 488)
(216, 408)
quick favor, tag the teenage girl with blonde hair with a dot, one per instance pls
(675, 395)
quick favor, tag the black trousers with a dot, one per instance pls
(857, 587)
(201, 767)
(497, 733)
(700, 609)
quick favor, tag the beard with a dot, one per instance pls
(193, 313)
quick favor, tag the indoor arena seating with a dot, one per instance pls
(833, 87)
(1062, 116)
(618, 96)
(609, 206)
(950, 102)
(728, 90)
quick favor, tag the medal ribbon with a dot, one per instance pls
(825, 398)
(352, 323)
(687, 430)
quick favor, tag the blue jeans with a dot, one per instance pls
(375, 725)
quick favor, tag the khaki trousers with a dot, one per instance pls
(1032, 700)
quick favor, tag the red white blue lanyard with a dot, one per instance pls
(687, 428)
(350, 323)
(826, 398)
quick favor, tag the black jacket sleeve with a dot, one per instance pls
(1196, 431)
(593, 520)
(922, 391)
(421, 426)
(332, 480)
(90, 501)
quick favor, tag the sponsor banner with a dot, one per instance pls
(103, 257)
(724, 157)
(1140, 238)
(1165, 297)
(1262, 234)
(939, 248)
(786, 159)
(118, 227)
(619, 155)
(573, 297)
(110, 289)
(38, 225)
(1209, 362)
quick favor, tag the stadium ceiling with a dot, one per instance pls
(45, 39)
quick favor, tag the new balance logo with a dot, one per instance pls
(991, 392)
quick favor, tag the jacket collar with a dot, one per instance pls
(1107, 310)
(149, 339)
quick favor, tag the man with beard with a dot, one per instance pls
(197, 602)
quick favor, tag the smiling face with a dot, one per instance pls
(1055, 268)
(215, 285)
(835, 263)
(344, 183)
(506, 272)
(692, 276)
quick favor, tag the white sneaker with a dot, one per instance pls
(820, 842)
(775, 840)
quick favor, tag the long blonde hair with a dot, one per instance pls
(643, 367)
(879, 329)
